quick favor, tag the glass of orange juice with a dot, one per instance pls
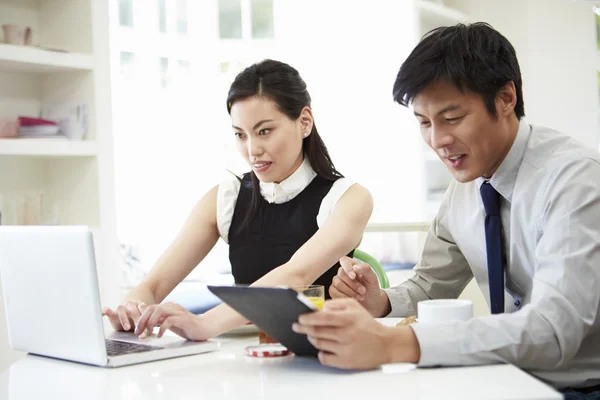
(314, 293)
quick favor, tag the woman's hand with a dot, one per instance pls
(124, 318)
(174, 317)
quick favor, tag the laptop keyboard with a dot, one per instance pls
(117, 348)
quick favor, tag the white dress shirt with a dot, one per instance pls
(550, 210)
(277, 193)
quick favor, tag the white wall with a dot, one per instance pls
(555, 42)
(349, 53)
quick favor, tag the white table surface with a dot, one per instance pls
(230, 374)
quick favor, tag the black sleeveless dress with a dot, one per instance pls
(275, 232)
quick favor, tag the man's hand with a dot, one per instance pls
(358, 281)
(348, 337)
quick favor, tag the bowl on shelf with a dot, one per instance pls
(37, 127)
(9, 128)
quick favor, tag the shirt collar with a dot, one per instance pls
(292, 186)
(505, 176)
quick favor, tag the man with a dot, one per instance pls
(522, 216)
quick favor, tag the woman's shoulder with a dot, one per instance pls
(229, 180)
(343, 183)
(227, 195)
(347, 188)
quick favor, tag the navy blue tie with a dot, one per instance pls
(495, 246)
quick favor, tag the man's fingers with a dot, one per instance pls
(330, 346)
(347, 264)
(334, 292)
(343, 288)
(340, 304)
(330, 359)
(318, 332)
(336, 318)
(356, 285)
(366, 274)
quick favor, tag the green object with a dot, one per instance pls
(375, 266)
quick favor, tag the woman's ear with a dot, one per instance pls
(306, 121)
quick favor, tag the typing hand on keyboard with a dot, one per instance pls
(125, 316)
(174, 317)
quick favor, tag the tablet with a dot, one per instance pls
(273, 310)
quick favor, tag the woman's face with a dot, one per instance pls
(269, 141)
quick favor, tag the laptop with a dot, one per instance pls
(52, 301)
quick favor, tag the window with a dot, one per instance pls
(181, 12)
(164, 72)
(183, 67)
(174, 111)
(126, 13)
(262, 19)
(162, 16)
(597, 11)
(127, 60)
(230, 19)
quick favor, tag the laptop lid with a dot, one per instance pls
(52, 301)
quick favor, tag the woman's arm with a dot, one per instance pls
(341, 233)
(195, 240)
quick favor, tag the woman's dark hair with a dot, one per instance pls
(475, 57)
(282, 84)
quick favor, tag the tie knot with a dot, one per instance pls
(491, 199)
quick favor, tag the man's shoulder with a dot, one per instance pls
(548, 150)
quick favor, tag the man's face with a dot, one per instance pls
(459, 128)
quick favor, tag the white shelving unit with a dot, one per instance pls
(75, 178)
(48, 148)
(433, 14)
(37, 60)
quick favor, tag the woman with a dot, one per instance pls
(287, 222)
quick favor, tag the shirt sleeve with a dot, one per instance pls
(442, 273)
(227, 196)
(546, 333)
(337, 190)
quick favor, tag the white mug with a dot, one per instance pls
(445, 310)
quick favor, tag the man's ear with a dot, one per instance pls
(506, 99)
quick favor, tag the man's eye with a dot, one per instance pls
(456, 119)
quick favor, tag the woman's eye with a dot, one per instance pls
(424, 123)
(239, 135)
(264, 132)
